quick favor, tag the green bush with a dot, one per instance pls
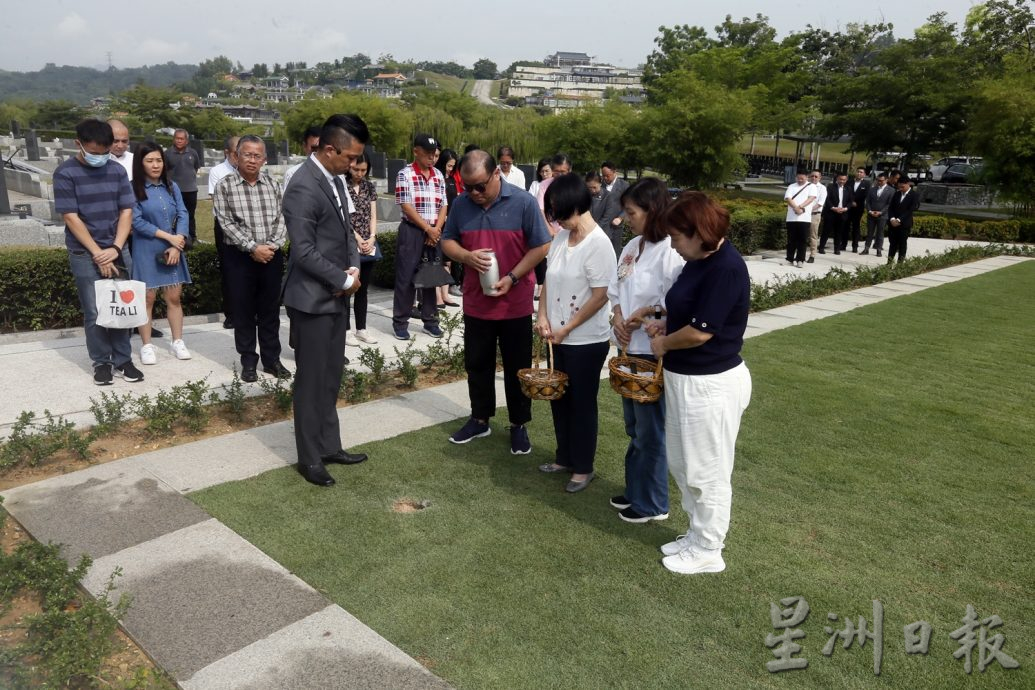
(384, 270)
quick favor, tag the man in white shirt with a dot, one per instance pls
(120, 152)
(799, 198)
(310, 145)
(816, 178)
(511, 173)
(835, 211)
(216, 174)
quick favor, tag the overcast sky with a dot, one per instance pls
(78, 32)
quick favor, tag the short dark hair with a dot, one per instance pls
(609, 165)
(140, 177)
(696, 213)
(896, 171)
(350, 124)
(841, 173)
(801, 171)
(504, 151)
(880, 175)
(94, 131)
(560, 159)
(471, 147)
(650, 194)
(313, 131)
(473, 160)
(593, 176)
(905, 178)
(228, 141)
(250, 139)
(567, 196)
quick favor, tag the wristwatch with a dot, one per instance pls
(513, 278)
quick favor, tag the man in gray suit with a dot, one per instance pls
(878, 198)
(322, 273)
(615, 187)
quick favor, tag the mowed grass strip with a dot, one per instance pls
(887, 454)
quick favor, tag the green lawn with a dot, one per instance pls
(887, 454)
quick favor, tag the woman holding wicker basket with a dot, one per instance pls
(572, 317)
(647, 268)
(707, 384)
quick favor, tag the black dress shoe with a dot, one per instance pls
(228, 323)
(248, 375)
(316, 475)
(822, 251)
(277, 369)
(155, 333)
(343, 457)
(346, 361)
(811, 260)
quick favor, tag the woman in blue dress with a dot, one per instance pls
(160, 228)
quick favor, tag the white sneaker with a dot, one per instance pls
(351, 340)
(682, 542)
(694, 560)
(148, 354)
(180, 350)
(365, 336)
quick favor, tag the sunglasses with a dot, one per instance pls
(480, 187)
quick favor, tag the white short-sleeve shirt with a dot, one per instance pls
(571, 274)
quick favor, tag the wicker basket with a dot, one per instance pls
(542, 384)
(628, 382)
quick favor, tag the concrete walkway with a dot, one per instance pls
(212, 609)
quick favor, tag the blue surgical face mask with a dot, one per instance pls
(94, 160)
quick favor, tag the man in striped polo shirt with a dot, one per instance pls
(420, 193)
(93, 195)
(493, 214)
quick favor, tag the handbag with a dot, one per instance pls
(120, 303)
(431, 273)
(376, 256)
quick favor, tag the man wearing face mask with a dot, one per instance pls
(95, 198)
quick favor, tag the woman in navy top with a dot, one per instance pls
(160, 227)
(707, 385)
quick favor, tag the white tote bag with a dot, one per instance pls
(120, 303)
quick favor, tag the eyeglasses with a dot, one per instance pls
(480, 187)
(252, 156)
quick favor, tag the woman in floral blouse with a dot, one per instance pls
(364, 226)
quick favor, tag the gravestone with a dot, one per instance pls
(378, 163)
(394, 166)
(5, 203)
(284, 150)
(271, 152)
(529, 171)
(32, 146)
(199, 148)
(16, 129)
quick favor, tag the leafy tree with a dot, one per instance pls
(674, 47)
(997, 29)
(151, 106)
(215, 67)
(260, 70)
(589, 135)
(391, 126)
(485, 69)
(1004, 134)
(58, 114)
(747, 33)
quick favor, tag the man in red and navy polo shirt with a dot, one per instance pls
(495, 215)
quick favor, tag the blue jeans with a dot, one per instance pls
(104, 345)
(646, 466)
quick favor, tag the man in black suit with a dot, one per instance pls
(860, 187)
(835, 213)
(900, 218)
(615, 186)
(877, 201)
(322, 273)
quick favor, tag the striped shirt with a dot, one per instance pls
(427, 195)
(250, 214)
(97, 195)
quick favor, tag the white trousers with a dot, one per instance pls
(702, 418)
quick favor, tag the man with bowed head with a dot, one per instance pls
(495, 215)
(323, 271)
(184, 163)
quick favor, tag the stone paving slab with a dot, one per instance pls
(328, 650)
(101, 509)
(201, 593)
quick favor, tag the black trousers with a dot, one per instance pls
(255, 304)
(897, 238)
(854, 221)
(514, 337)
(834, 224)
(575, 413)
(360, 298)
(409, 249)
(797, 240)
(190, 201)
(221, 250)
(319, 342)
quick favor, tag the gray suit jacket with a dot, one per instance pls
(322, 244)
(881, 204)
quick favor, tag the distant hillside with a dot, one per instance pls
(80, 84)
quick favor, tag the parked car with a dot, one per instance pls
(943, 164)
(961, 173)
(916, 171)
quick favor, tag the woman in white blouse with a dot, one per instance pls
(572, 316)
(647, 268)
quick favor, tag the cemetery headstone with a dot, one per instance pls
(32, 145)
(16, 129)
(394, 166)
(271, 152)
